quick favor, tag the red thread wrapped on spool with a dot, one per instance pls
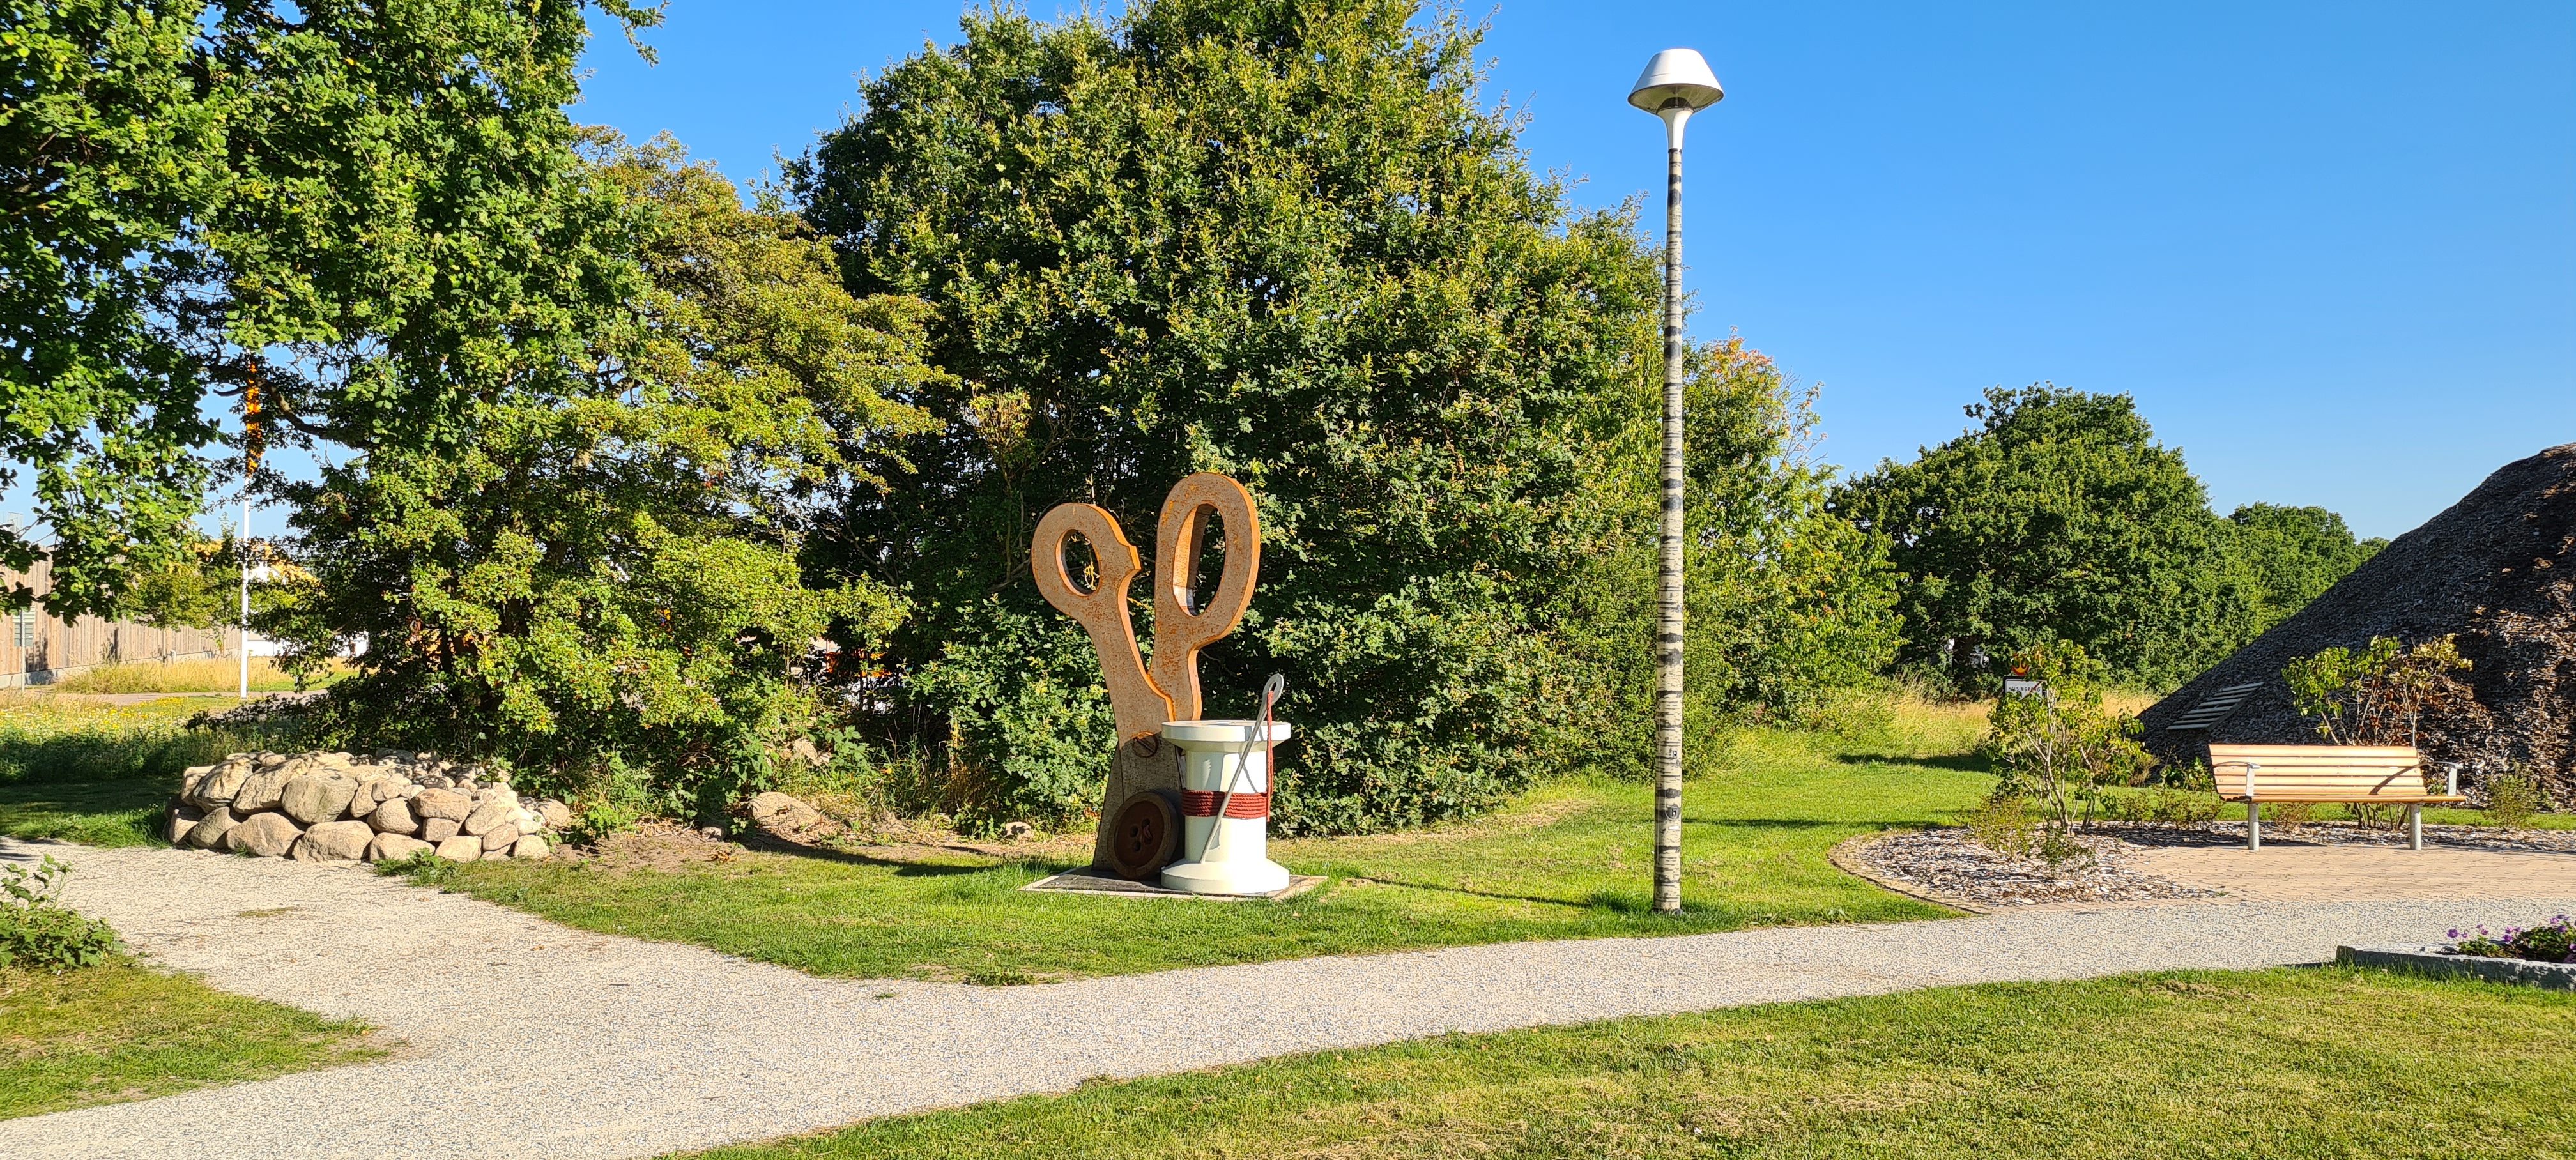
(1201, 803)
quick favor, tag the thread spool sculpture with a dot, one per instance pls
(1146, 809)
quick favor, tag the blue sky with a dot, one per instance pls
(2331, 248)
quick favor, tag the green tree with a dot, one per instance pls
(1279, 239)
(603, 584)
(2059, 517)
(1788, 601)
(2292, 555)
(368, 211)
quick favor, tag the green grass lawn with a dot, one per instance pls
(1568, 860)
(99, 774)
(2282, 1063)
(123, 1031)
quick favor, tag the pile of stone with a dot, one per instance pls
(333, 807)
(2497, 571)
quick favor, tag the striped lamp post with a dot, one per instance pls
(1675, 85)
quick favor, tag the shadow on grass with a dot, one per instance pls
(1958, 762)
(1800, 823)
(98, 813)
(902, 867)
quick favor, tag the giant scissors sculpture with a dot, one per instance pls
(1145, 698)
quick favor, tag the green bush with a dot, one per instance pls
(2004, 824)
(37, 932)
(2058, 745)
(2057, 517)
(605, 578)
(2512, 798)
(2162, 805)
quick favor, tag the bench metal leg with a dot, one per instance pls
(2253, 825)
(2415, 825)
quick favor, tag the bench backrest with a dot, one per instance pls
(2335, 772)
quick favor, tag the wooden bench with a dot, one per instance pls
(2346, 774)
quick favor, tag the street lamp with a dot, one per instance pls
(1675, 85)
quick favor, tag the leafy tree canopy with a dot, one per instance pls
(2059, 517)
(603, 583)
(1279, 239)
(367, 213)
(1787, 600)
(2292, 555)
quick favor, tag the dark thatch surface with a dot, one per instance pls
(2499, 570)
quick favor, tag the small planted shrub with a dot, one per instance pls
(2512, 798)
(2162, 805)
(2061, 747)
(2004, 824)
(2553, 941)
(37, 932)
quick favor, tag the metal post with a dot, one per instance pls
(1668, 614)
(2253, 825)
(2415, 825)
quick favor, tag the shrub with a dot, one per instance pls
(2512, 798)
(2058, 517)
(37, 932)
(2059, 746)
(608, 568)
(2378, 695)
(2162, 805)
(2004, 824)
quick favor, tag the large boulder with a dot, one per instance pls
(461, 849)
(439, 829)
(336, 842)
(394, 848)
(183, 816)
(442, 803)
(551, 814)
(490, 815)
(783, 815)
(260, 790)
(394, 817)
(268, 835)
(209, 831)
(208, 786)
(318, 797)
(531, 846)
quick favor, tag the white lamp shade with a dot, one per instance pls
(1676, 74)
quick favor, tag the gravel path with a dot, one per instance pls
(538, 1040)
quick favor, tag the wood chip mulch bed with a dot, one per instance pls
(1943, 863)
(2344, 834)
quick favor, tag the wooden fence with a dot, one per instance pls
(36, 649)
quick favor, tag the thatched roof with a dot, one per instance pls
(2498, 569)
